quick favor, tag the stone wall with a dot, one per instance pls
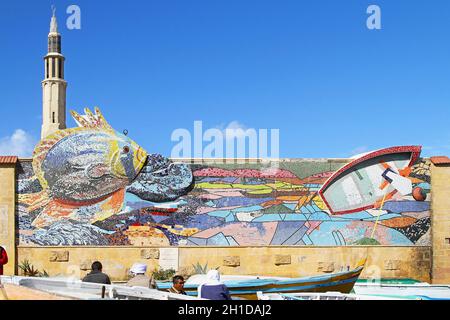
(7, 213)
(401, 249)
(440, 205)
(382, 262)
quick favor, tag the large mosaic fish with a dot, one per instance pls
(84, 173)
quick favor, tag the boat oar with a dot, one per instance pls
(375, 226)
(379, 214)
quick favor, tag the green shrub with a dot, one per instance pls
(162, 274)
(30, 271)
(199, 269)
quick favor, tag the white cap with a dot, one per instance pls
(138, 268)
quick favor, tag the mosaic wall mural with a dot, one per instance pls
(93, 186)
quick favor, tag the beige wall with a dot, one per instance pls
(7, 213)
(73, 261)
(440, 224)
(385, 262)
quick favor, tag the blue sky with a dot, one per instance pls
(311, 69)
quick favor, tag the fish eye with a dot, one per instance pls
(126, 149)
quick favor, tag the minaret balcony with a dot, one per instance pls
(55, 55)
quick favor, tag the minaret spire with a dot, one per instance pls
(54, 85)
(53, 22)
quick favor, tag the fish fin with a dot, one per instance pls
(35, 200)
(42, 220)
(110, 206)
(101, 119)
(80, 120)
(56, 210)
(52, 212)
(91, 120)
(89, 113)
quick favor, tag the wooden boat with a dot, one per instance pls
(365, 181)
(246, 287)
(423, 290)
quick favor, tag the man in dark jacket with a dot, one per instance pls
(178, 285)
(96, 275)
(3, 259)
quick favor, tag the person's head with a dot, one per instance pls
(96, 266)
(178, 282)
(138, 268)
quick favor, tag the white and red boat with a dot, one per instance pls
(364, 182)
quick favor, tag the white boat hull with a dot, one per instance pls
(406, 290)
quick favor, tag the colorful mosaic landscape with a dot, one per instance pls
(239, 205)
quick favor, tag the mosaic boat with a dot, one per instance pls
(246, 287)
(364, 182)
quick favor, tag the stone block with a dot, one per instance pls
(86, 265)
(325, 266)
(425, 265)
(59, 256)
(150, 253)
(232, 261)
(282, 259)
(391, 265)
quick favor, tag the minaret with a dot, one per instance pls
(53, 86)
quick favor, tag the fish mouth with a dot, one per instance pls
(161, 180)
(141, 156)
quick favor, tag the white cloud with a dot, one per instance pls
(20, 143)
(234, 126)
